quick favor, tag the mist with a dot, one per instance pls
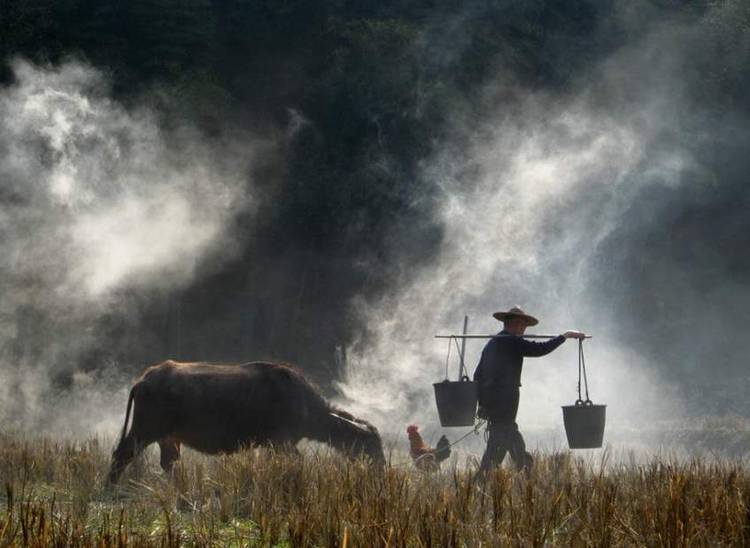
(102, 210)
(287, 184)
(549, 199)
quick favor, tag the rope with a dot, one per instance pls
(461, 371)
(474, 430)
(447, 359)
(583, 364)
(582, 369)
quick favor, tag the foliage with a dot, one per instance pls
(53, 494)
(358, 96)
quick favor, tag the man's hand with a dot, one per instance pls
(574, 335)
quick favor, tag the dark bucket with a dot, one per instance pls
(584, 424)
(456, 402)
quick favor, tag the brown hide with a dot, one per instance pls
(220, 408)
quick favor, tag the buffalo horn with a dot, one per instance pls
(356, 425)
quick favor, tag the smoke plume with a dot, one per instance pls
(101, 210)
(576, 204)
(585, 160)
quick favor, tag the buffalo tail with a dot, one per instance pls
(131, 397)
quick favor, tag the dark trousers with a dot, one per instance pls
(504, 436)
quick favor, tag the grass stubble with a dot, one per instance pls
(53, 495)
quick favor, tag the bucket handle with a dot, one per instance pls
(462, 379)
(462, 373)
(582, 370)
(582, 403)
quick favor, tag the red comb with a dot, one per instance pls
(412, 428)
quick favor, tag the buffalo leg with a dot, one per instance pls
(169, 452)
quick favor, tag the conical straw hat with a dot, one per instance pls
(516, 312)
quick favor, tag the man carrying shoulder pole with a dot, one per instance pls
(498, 378)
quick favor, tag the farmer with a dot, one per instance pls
(498, 377)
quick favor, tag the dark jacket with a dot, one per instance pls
(499, 371)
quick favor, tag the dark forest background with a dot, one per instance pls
(358, 95)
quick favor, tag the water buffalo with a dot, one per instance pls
(220, 408)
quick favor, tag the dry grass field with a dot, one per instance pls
(53, 494)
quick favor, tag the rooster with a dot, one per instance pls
(427, 458)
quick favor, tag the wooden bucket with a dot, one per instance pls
(584, 424)
(456, 402)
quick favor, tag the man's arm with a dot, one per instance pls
(529, 349)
